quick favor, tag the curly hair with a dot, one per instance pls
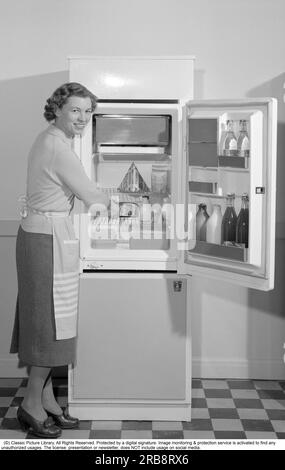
(61, 95)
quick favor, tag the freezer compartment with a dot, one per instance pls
(132, 338)
(131, 130)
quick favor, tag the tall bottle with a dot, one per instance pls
(214, 226)
(242, 222)
(229, 221)
(243, 140)
(201, 220)
(230, 143)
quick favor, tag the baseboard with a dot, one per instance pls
(9, 367)
(238, 369)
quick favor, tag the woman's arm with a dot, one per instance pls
(70, 171)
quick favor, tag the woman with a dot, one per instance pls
(48, 259)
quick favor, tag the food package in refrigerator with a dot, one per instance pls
(159, 178)
(133, 181)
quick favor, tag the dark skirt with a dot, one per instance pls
(34, 337)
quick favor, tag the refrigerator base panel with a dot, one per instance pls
(133, 348)
(143, 412)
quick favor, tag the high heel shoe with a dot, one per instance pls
(64, 421)
(46, 429)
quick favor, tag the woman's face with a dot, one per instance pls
(74, 115)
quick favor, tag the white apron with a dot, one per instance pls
(65, 272)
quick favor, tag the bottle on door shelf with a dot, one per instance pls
(230, 143)
(229, 221)
(243, 140)
(214, 226)
(201, 221)
(242, 222)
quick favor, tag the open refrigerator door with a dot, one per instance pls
(228, 177)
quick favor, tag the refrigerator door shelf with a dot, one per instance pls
(252, 267)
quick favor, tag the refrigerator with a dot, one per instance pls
(192, 186)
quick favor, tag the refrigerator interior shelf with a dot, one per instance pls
(233, 252)
(203, 187)
(127, 157)
(233, 162)
(125, 149)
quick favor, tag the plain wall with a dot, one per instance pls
(240, 52)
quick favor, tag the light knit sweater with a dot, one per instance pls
(55, 176)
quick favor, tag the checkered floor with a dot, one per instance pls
(221, 409)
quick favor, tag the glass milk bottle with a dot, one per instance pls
(230, 143)
(243, 140)
(214, 226)
(229, 221)
(242, 222)
(201, 221)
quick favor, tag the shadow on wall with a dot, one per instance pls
(272, 302)
(23, 100)
(276, 88)
(199, 81)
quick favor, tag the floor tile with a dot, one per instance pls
(83, 425)
(199, 435)
(273, 404)
(243, 384)
(199, 403)
(167, 425)
(247, 403)
(256, 425)
(196, 383)
(12, 412)
(278, 426)
(3, 411)
(62, 401)
(198, 425)
(230, 435)
(221, 384)
(223, 413)
(198, 393)
(106, 425)
(10, 383)
(260, 435)
(16, 401)
(220, 403)
(131, 425)
(5, 401)
(136, 434)
(60, 391)
(200, 413)
(217, 393)
(75, 434)
(276, 414)
(272, 394)
(247, 413)
(105, 434)
(12, 434)
(266, 385)
(8, 391)
(167, 434)
(239, 393)
(227, 425)
(10, 423)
